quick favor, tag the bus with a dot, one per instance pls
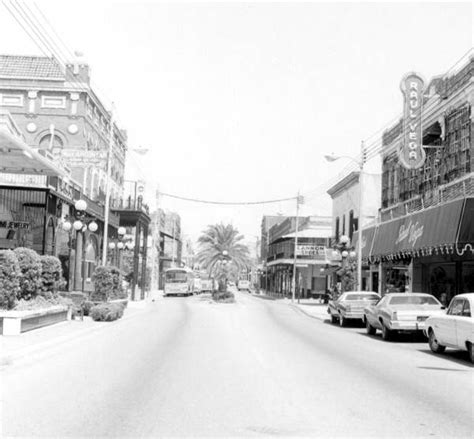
(179, 282)
(207, 283)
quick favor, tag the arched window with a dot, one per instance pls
(45, 142)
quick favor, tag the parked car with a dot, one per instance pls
(455, 329)
(401, 313)
(350, 306)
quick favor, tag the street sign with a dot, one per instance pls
(302, 265)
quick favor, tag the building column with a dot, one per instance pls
(144, 258)
(136, 259)
(78, 262)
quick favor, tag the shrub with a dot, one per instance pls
(30, 266)
(107, 284)
(224, 296)
(51, 275)
(86, 307)
(9, 279)
(106, 312)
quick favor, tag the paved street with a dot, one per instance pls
(188, 367)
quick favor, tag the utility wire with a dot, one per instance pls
(228, 203)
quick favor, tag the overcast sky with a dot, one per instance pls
(240, 101)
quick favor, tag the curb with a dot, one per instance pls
(261, 296)
(297, 308)
(42, 347)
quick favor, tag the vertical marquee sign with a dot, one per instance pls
(411, 154)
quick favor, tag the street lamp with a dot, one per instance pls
(360, 164)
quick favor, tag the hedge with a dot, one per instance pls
(51, 275)
(107, 284)
(9, 279)
(30, 267)
(107, 312)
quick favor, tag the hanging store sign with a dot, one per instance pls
(411, 153)
(310, 250)
(14, 225)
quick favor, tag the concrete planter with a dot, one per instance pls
(16, 322)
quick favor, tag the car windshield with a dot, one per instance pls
(413, 300)
(362, 297)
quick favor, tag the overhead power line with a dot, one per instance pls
(227, 203)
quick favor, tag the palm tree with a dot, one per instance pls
(222, 254)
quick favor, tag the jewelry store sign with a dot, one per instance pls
(310, 250)
(411, 153)
(14, 225)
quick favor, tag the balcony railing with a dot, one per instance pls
(130, 203)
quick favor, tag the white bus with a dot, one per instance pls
(179, 282)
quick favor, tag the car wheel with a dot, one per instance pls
(334, 319)
(369, 328)
(342, 321)
(470, 350)
(386, 333)
(434, 345)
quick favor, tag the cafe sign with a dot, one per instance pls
(410, 233)
(411, 153)
(310, 250)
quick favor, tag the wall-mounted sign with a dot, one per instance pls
(411, 153)
(310, 250)
(14, 225)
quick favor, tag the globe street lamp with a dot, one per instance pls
(360, 164)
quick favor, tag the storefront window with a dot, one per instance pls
(442, 282)
(468, 278)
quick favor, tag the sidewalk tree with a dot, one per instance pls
(51, 275)
(222, 253)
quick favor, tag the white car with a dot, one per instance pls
(455, 329)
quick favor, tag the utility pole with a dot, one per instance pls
(107, 187)
(361, 219)
(172, 251)
(293, 283)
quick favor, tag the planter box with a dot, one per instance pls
(16, 322)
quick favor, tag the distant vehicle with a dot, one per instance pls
(455, 329)
(401, 313)
(207, 283)
(243, 285)
(350, 306)
(179, 282)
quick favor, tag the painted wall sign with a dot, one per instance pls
(14, 225)
(411, 153)
(310, 250)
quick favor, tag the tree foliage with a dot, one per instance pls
(213, 242)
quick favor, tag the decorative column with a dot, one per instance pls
(78, 262)
(32, 95)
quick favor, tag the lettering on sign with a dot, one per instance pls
(411, 153)
(14, 225)
(310, 250)
(410, 232)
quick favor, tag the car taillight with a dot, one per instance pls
(394, 315)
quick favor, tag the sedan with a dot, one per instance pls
(350, 306)
(401, 313)
(455, 329)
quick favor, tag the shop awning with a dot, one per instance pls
(432, 227)
(368, 235)
(16, 157)
(466, 228)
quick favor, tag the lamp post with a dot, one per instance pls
(360, 164)
(117, 245)
(78, 224)
(293, 282)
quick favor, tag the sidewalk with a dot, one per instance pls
(311, 307)
(18, 347)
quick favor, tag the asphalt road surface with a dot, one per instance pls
(189, 367)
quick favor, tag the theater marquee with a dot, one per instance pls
(411, 153)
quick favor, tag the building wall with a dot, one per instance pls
(81, 126)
